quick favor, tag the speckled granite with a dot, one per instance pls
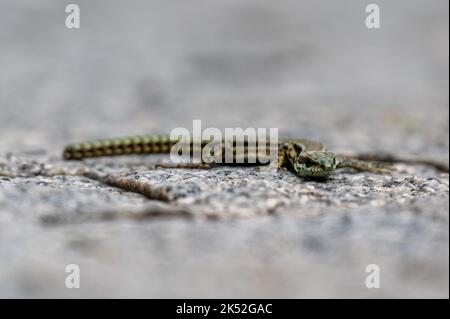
(309, 68)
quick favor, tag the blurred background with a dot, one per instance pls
(309, 68)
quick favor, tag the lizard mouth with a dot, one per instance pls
(308, 163)
(307, 167)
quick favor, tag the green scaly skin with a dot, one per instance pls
(308, 159)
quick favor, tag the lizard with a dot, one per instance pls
(304, 157)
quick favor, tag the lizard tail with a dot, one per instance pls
(151, 144)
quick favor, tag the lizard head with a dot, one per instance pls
(315, 164)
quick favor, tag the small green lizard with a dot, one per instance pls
(306, 158)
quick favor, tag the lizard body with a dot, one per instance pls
(305, 157)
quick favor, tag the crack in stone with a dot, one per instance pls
(131, 185)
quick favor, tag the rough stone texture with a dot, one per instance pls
(311, 69)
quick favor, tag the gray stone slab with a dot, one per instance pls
(309, 68)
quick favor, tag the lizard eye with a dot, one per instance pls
(303, 160)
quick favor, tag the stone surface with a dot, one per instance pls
(310, 69)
